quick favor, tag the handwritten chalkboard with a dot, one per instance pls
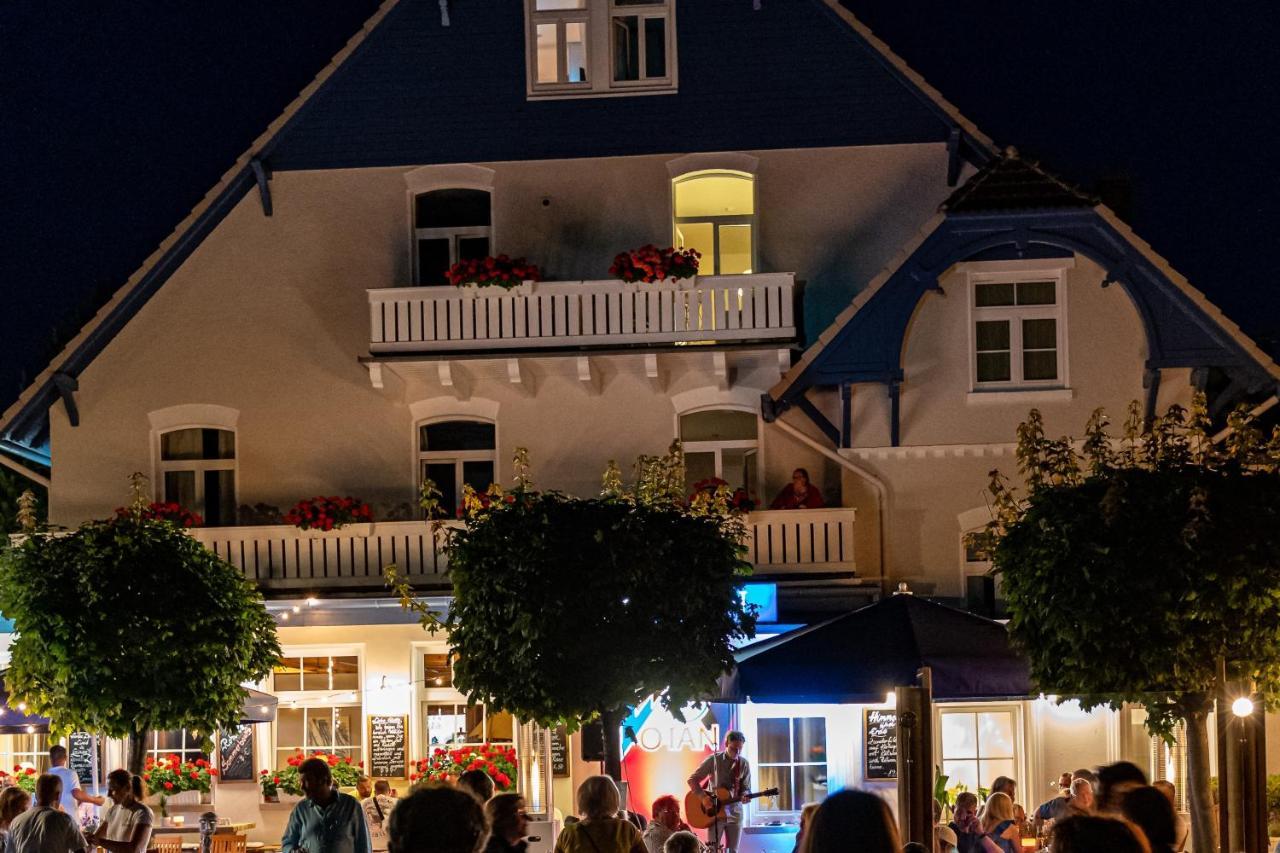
(880, 739)
(82, 748)
(235, 754)
(387, 747)
(559, 752)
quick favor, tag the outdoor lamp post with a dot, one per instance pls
(1242, 775)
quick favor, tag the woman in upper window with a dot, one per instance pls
(799, 493)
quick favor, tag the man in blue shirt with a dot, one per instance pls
(327, 821)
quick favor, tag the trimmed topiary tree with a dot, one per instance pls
(567, 609)
(1136, 569)
(130, 625)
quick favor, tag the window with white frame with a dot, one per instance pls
(721, 443)
(714, 212)
(791, 755)
(600, 47)
(457, 453)
(197, 469)
(1018, 331)
(180, 742)
(24, 750)
(449, 225)
(977, 746)
(321, 709)
(448, 719)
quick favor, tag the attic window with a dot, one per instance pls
(599, 47)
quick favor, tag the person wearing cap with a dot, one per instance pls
(946, 838)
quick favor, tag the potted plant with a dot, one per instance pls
(650, 264)
(25, 778)
(446, 765)
(501, 271)
(169, 776)
(324, 514)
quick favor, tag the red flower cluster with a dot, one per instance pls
(739, 501)
(171, 774)
(651, 264)
(166, 511)
(321, 513)
(501, 271)
(496, 760)
(26, 771)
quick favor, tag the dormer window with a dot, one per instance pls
(714, 212)
(449, 225)
(599, 47)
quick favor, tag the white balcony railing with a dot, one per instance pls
(582, 313)
(282, 558)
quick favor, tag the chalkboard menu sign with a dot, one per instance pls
(82, 757)
(880, 741)
(559, 752)
(235, 754)
(387, 747)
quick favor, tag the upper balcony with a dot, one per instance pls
(782, 545)
(583, 315)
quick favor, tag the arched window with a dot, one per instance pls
(721, 443)
(456, 453)
(197, 468)
(714, 211)
(449, 225)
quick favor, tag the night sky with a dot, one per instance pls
(116, 119)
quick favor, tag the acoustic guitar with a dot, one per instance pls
(704, 808)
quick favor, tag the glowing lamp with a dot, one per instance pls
(1242, 707)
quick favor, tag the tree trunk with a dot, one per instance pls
(611, 721)
(1204, 828)
(137, 751)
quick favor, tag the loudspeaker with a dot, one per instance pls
(591, 736)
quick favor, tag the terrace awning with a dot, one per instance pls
(862, 655)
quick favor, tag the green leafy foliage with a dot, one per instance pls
(130, 625)
(1142, 568)
(566, 607)
(12, 488)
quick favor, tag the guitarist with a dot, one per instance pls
(731, 771)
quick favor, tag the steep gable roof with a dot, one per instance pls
(394, 105)
(1013, 205)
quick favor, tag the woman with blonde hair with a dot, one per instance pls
(599, 830)
(1000, 830)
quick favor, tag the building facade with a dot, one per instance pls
(883, 297)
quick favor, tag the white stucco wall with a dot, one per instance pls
(269, 315)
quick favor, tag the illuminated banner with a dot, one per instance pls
(660, 749)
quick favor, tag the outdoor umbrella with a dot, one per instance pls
(862, 655)
(15, 722)
(258, 707)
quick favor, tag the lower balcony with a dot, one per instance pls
(285, 561)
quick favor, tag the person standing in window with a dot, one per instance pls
(126, 824)
(72, 794)
(799, 493)
(327, 821)
(731, 771)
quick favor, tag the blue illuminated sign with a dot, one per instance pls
(764, 596)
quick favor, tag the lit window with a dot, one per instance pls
(715, 213)
(977, 746)
(1017, 332)
(720, 443)
(180, 742)
(330, 719)
(457, 723)
(599, 47)
(453, 454)
(449, 226)
(791, 755)
(198, 472)
(24, 750)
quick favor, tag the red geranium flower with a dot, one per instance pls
(168, 786)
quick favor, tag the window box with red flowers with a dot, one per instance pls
(286, 780)
(24, 776)
(320, 515)
(170, 780)
(165, 511)
(446, 765)
(650, 265)
(501, 271)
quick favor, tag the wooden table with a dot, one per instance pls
(194, 828)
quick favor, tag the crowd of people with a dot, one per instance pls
(1113, 809)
